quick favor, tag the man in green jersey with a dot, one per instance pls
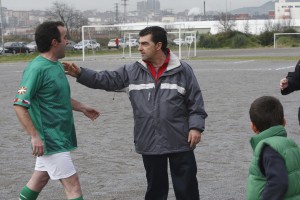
(44, 108)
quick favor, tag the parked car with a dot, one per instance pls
(182, 41)
(70, 45)
(1, 49)
(24, 43)
(87, 44)
(15, 47)
(132, 43)
(32, 46)
(112, 43)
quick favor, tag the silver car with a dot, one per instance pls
(32, 46)
(112, 43)
(87, 44)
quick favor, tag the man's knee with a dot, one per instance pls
(38, 180)
(72, 186)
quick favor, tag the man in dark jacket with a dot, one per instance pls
(168, 110)
(291, 83)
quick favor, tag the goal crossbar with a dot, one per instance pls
(138, 27)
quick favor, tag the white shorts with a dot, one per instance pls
(58, 166)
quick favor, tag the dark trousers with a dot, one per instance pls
(183, 170)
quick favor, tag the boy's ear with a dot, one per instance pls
(254, 129)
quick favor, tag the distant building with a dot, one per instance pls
(254, 27)
(153, 5)
(168, 19)
(271, 14)
(148, 6)
(16, 18)
(244, 16)
(141, 6)
(287, 10)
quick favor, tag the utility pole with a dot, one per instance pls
(226, 20)
(125, 10)
(117, 12)
(1, 15)
(204, 10)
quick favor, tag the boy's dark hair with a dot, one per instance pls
(159, 34)
(45, 33)
(265, 112)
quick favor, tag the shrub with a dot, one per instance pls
(266, 38)
(208, 41)
(287, 41)
(239, 41)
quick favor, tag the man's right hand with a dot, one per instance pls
(284, 83)
(71, 69)
(37, 146)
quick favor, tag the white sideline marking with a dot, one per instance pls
(231, 69)
(282, 68)
(245, 61)
(248, 69)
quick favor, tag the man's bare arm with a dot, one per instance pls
(26, 122)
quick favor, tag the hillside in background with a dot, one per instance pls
(259, 10)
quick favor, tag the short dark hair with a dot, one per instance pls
(265, 112)
(158, 33)
(45, 33)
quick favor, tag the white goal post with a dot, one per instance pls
(129, 46)
(277, 34)
(126, 31)
(188, 34)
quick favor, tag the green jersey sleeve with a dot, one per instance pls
(29, 85)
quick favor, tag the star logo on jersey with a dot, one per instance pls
(22, 90)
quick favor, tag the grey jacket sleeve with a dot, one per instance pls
(194, 101)
(105, 80)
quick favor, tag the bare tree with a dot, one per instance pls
(278, 26)
(226, 23)
(246, 27)
(72, 18)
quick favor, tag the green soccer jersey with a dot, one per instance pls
(45, 91)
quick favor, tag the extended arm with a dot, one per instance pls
(25, 120)
(105, 80)
(292, 82)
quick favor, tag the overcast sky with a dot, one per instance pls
(106, 5)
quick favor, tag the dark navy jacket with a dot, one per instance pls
(165, 111)
(293, 83)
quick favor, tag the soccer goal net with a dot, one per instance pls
(122, 41)
(277, 35)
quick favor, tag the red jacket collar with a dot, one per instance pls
(157, 74)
